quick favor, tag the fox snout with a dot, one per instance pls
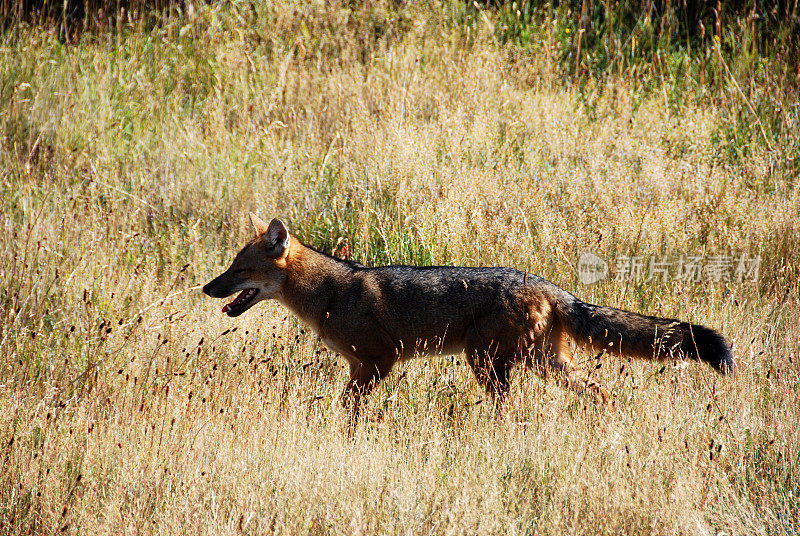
(225, 285)
(217, 288)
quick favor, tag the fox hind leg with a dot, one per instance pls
(553, 355)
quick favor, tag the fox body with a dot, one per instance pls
(500, 317)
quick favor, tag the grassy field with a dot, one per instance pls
(129, 404)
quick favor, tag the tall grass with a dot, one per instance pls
(129, 160)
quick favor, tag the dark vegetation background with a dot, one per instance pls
(755, 42)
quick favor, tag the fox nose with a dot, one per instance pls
(208, 289)
(217, 288)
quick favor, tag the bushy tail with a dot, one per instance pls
(647, 337)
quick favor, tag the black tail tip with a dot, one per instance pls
(723, 362)
(705, 344)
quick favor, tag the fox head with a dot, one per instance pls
(258, 271)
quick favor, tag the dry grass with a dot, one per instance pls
(131, 405)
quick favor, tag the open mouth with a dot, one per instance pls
(242, 302)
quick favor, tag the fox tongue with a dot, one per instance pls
(241, 299)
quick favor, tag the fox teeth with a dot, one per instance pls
(242, 298)
(247, 295)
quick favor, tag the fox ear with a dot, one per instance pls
(277, 235)
(259, 225)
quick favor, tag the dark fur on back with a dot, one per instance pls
(613, 330)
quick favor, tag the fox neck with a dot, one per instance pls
(311, 283)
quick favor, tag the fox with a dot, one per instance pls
(499, 317)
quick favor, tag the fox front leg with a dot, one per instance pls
(364, 376)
